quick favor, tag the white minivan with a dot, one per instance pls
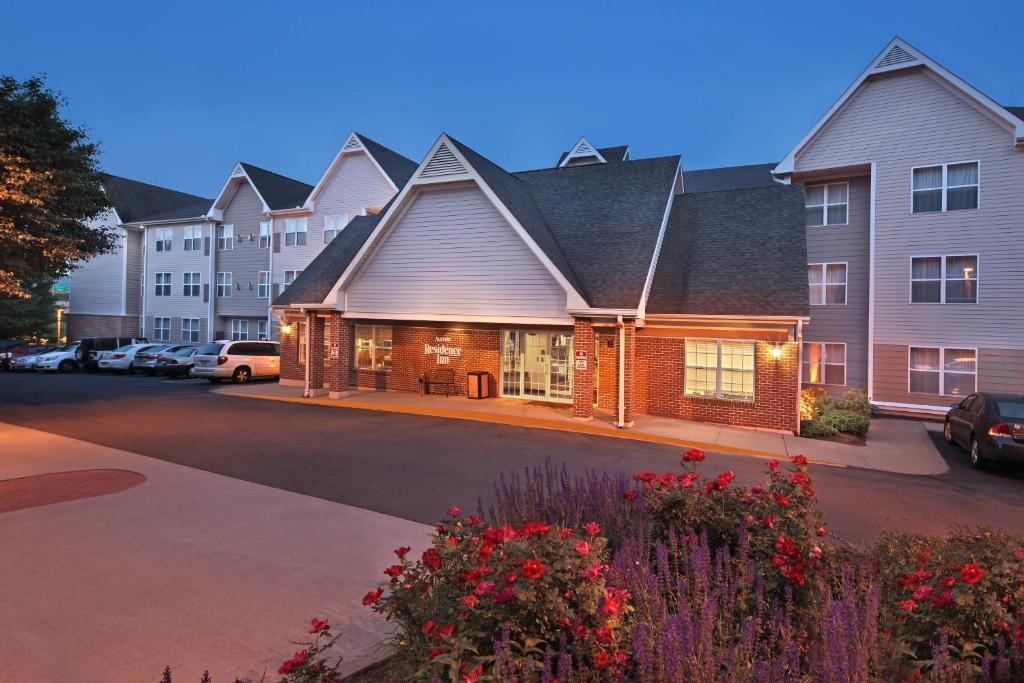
(240, 360)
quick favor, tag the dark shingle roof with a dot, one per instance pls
(320, 276)
(136, 202)
(278, 191)
(611, 154)
(606, 218)
(398, 167)
(734, 252)
(1016, 111)
(729, 178)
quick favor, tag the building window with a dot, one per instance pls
(824, 363)
(294, 232)
(239, 329)
(827, 204)
(262, 330)
(163, 239)
(944, 279)
(225, 237)
(263, 285)
(190, 329)
(264, 234)
(290, 275)
(191, 286)
(224, 284)
(193, 238)
(827, 283)
(373, 347)
(720, 368)
(163, 284)
(162, 329)
(333, 225)
(947, 187)
(941, 371)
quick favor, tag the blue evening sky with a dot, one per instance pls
(176, 92)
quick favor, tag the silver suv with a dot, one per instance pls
(239, 360)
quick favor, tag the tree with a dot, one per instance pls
(34, 317)
(50, 188)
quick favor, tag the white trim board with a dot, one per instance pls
(582, 150)
(353, 145)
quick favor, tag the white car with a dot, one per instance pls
(122, 359)
(61, 360)
(240, 360)
(27, 362)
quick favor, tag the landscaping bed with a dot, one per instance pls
(847, 420)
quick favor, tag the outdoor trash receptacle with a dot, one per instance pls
(478, 384)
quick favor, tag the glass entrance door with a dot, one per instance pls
(536, 364)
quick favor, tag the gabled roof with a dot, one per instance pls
(137, 202)
(734, 252)
(610, 155)
(729, 178)
(396, 168)
(899, 55)
(1016, 111)
(278, 191)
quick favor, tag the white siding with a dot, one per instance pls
(453, 253)
(177, 262)
(911, 120)
(98, 286)
(355, 185)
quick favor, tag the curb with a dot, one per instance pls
(537, 423)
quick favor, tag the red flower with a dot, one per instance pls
(534, 529)
(483, 588)
(800, 460)
(432, 558)
(594, 572)
(394, 571)
(821, 531)
(949, 582)
(319, 625)
(922, 592)
(756, 490)
(908, 605)
(373, 596)
(603, 634)
(943, 599)
(436, 652)
(630, 494)
(583, 548)
(612, 605)
(297, 660)
(473, 675)
(428, 627)
(498, 535)
(602, 659)
(693, 455)
(971, 573)
(474, 520)
(533, 569)
(506, 594)
(446, 631)
(454, 511)
(402, 552)
(645, 477)
(469, 600)
(781, 500)
(592, 528)
(773, 465)
(509, 577)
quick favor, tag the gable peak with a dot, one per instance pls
(443, 161)
(583, 153)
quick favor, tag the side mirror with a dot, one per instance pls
(954, 405)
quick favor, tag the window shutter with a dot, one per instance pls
(277, 242)
(206, 292)
(219, 334)
(206, 246)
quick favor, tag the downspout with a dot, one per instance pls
(799, 369)
(621, 424)
(145, 278)
(270, 283)
(211, 280)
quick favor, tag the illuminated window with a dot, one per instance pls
(824, 363)
(944, 280)
(720, 368)
(942, 371)
(827, 283)
(373, 347)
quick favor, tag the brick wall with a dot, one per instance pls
(660, 383)
(291, 368)
(583, 379)
(79, 325)
(316, 351)
(607, 368)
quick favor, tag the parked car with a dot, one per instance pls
(145, 362)
(27, 361)
(989, 425)
(90, 348)
(9, 347)
(239, 360)
(123, 358)
(177, 364)
(14, 354)
(64, 359)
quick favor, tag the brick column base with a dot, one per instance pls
(629, 353)
(583, 379)
(341, 338)
(315, 353)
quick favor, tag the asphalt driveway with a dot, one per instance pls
(414, 467)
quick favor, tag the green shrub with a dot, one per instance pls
(817, 429)
(846, 421)
(814, 402)
(856, 401)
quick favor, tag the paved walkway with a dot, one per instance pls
(188, 569)
(894, 445)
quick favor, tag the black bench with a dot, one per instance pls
(444, 377)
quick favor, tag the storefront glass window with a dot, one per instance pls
(373, 347)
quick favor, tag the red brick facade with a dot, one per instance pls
(79, 325)
(654, 370)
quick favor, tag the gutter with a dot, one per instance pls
(800, 370)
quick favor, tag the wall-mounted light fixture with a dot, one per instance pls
(776, 352)
(286, 328)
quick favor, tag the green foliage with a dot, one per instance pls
(856, 401)
(845, 421)
(966, 586)
(817, 429)
(34, 318)
(814, 402)
(50, 187)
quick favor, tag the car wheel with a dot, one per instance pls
(213, 380)
(131, 368)
(977, 459)
(66, 366)
(241, 375)
(947, 432)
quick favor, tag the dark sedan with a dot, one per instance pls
(990, 426)
(178, 363)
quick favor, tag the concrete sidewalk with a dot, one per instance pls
(188, 569)
(894, 445)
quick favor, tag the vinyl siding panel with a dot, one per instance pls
(999, 370)
(97, 286)
(246, 259)
(909, 120)
(133, 276)
(355, 185)
(846, 324)
(453, 253)
(177, 262)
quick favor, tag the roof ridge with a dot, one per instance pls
(566, 168)
(247, 166)
(154, 185)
